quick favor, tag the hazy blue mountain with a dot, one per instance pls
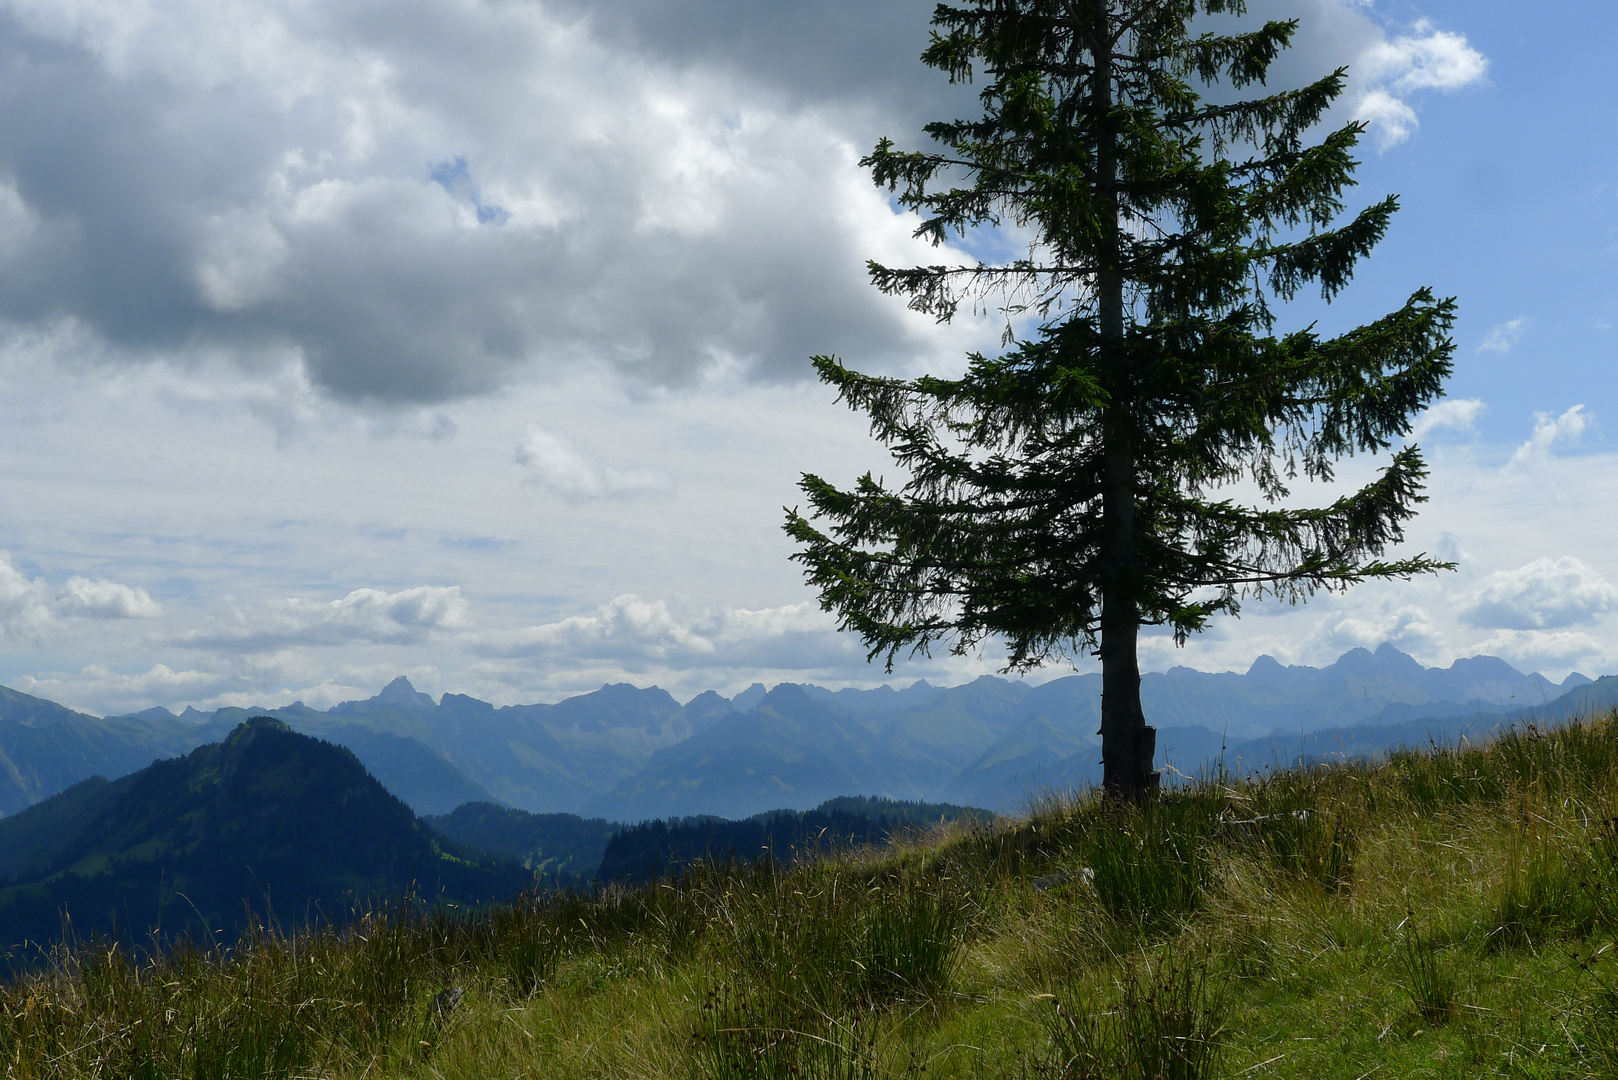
(949, 729)
(398, 693)
(542, 758)
(1030, 759)
(289, 825)
(705, 710)
(564, 849)
(878, 699)
(629, 753)
(46, 748)
(790, 751)
(426, 780)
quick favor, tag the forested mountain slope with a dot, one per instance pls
(268, 820)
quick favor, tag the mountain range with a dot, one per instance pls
(626, 754)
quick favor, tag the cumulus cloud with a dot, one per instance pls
(1409, 627)
(1545, 594)
(1392, 68)
(1459, 414)
(1500, 339)
(1549, 433)
(364, 615)
(413, 204)
(111, 689)
(101, 599)
(644, 634)
(268, 680)
(1555, 652)
(25, 612)
(31, 611)
(551, 461)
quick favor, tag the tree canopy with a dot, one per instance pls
(1089, 480)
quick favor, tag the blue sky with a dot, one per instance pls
(1510, 204)
(468, 340)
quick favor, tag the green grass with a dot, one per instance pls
(1446, 914)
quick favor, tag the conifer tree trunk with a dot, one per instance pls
(1127, 743)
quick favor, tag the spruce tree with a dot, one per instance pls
(1087, 481)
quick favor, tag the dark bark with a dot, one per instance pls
(1127, 742)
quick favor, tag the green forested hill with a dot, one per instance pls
(564, 849)
(268, 819)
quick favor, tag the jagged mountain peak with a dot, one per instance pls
(748, 699)
(1265, 667)
(401, 692)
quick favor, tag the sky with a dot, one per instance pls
(468, 339)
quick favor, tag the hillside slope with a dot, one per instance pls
(293, 826)
(1447, 914)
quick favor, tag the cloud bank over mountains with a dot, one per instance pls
(469, 339)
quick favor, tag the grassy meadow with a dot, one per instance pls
(1445, 914)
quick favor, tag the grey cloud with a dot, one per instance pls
(641, 635)
(421, 203)
(855, 52)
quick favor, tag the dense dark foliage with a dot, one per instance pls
(563, 849)
(666, 848)
(1078, 486)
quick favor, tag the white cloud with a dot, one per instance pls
(25, 612)
(553, 462)
(1425, 59)
(364, 615)
(1457, 413)
(643, 635)
(1555, 652)
(108, 688)
(1550, 432)
(31, 612)
(1502, 338)
(269, 681)
(101, 599)
(1392, 119)
(1408, 627)
(1546, 594)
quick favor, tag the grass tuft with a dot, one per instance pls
(1167, 1023)
(1428, 978)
